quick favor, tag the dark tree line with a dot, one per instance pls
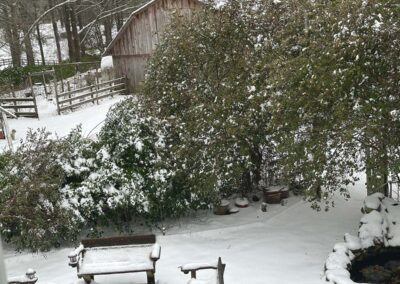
(84, 24)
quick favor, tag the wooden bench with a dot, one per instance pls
(116, 255)
(194, 267)
(28, 278)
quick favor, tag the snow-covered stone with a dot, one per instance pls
(352, 242)
(378, 226)
(241, 202)
(372, 230)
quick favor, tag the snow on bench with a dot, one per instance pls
(116, 255)
(28, 278)
(193, 267)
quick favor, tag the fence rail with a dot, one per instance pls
(23, 107)
(24, 62)
(90, 94)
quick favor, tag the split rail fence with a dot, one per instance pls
(23, 107)
(91, 94)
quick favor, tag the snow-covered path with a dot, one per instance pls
(285, 245)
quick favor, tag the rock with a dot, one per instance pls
(242, 202)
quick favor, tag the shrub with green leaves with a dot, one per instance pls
(33, 213)
(208, 79)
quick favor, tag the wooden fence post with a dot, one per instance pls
(7, 130)
(97, 85)
(69, 94)
(14, 96)
(44, 84)
(56, 94)
(35, 106)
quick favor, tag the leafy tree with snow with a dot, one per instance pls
(208, 80)
(336, 86)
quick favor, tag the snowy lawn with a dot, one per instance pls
(90, 116)
(287, 244)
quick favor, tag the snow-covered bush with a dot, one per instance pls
(128, 173)
(32, 209)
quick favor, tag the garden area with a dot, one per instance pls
(261, 130)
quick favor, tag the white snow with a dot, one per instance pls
(107, 62)
(29, 276)
(199, 265)
(276, 188)
(373, 201)
(286, 245)
(91, 117)
(242, 202)
(116, 259)
(371, 231)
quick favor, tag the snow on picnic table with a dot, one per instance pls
(90, 116)
(287, 244)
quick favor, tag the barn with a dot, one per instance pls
(139, 36)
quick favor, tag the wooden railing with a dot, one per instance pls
(90, 94)
(23, 107)
(24, 62)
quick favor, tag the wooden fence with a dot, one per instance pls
(24, 62)
(72, 99)
(23, 107)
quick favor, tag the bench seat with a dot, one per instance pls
(114, 255)
(218, 266)
(197, 281)
(110, 260)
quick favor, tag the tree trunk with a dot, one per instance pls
(99, 37)
(119, 21)
(13, 35)
(55, 30)
(24, 14)
(68, 30)
(377, 171)
(39, 38)
(75, 35)
(30, 57)
(108, 30)
(80, 23)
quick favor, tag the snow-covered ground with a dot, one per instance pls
(287, 244)
(90, 116)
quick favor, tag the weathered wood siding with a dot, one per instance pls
(137, 42)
